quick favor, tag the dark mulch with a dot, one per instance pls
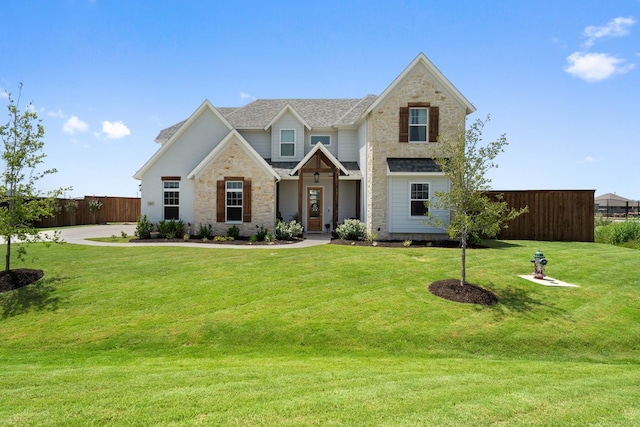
(450, 289)
(18, 278)
(398, 243)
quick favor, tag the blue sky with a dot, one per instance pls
(560, 78)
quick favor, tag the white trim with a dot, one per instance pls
(295, 138)
(282, 112)
(437, 76)
(172, 190)
(215, 153)
(321, 147)
(206, 105)
(315, 135)
(226, 206)
(412, 199)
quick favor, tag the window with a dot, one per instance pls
(418, 124)
(287, 142)
(171, 199)
(419, 195)
(234, 201)
(325, 139)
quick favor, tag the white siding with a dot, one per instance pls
(347, 146)
(333, 148)
(179, 159)
(260, 141)
(287, 121)
(400, 219)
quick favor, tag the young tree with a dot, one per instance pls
(475, 215)
(21, 204)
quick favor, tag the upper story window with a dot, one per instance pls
(287, 142)
(325, 139)
(234, 200)
(418, 124)
(419, 195)
(171, 199)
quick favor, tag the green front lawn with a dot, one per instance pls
(331, 335)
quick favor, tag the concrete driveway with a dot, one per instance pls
(78, 236)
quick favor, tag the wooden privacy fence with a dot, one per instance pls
(554, 215)
(113, 209)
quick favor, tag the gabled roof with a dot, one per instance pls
(285, 109)
(176, 131)
(215, 153)
(319, 147)
(421, 59)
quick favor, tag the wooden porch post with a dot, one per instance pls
(336, 174)
(300, 191)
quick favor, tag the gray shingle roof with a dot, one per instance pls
(412, 165)
(318, 113)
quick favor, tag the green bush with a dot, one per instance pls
(233, 231)
(204, 231)
(352, 229)
(171, 229)
(261, 234)
(619, 233)
(143, 227)
(288, 230)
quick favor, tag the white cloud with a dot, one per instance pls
(246, 97)
(589, 159)
(58, 114)
(593, 67)
(73, 125)
(3, 94)
(617, 27)
(115, 130)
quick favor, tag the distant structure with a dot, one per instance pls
(611, 204)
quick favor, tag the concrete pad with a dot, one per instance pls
(547, 281)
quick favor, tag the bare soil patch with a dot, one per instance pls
(18, 278)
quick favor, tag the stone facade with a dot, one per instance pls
(233, 161)
(417, 86)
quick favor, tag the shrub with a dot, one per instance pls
(233, 231)
(204, 231)
(261, 234)
(352, 229)
(270, 237)
(618, 233)
(288, 230)
(171, 229)
(143, 227)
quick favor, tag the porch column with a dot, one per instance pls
(336, 174)
(300, 191)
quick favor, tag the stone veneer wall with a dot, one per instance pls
(234, 162)
(417, 86)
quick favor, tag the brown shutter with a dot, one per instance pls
(220, 202)
(434, 125)
(246, 200)
(404, 124)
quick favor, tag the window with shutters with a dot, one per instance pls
(234, 199)
(419, 123)
(171, 199)
(419, 195)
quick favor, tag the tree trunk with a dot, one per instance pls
(8, 257)
(463, 272)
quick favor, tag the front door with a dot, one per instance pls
(314, 209)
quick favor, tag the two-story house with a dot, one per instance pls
(317, 160)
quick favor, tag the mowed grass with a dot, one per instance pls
(330, 335)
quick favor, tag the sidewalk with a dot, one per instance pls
(78, 236)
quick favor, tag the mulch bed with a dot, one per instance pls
(450, 289)
(397, 243)
(18, 278)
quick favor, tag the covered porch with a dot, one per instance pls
(319, 191)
